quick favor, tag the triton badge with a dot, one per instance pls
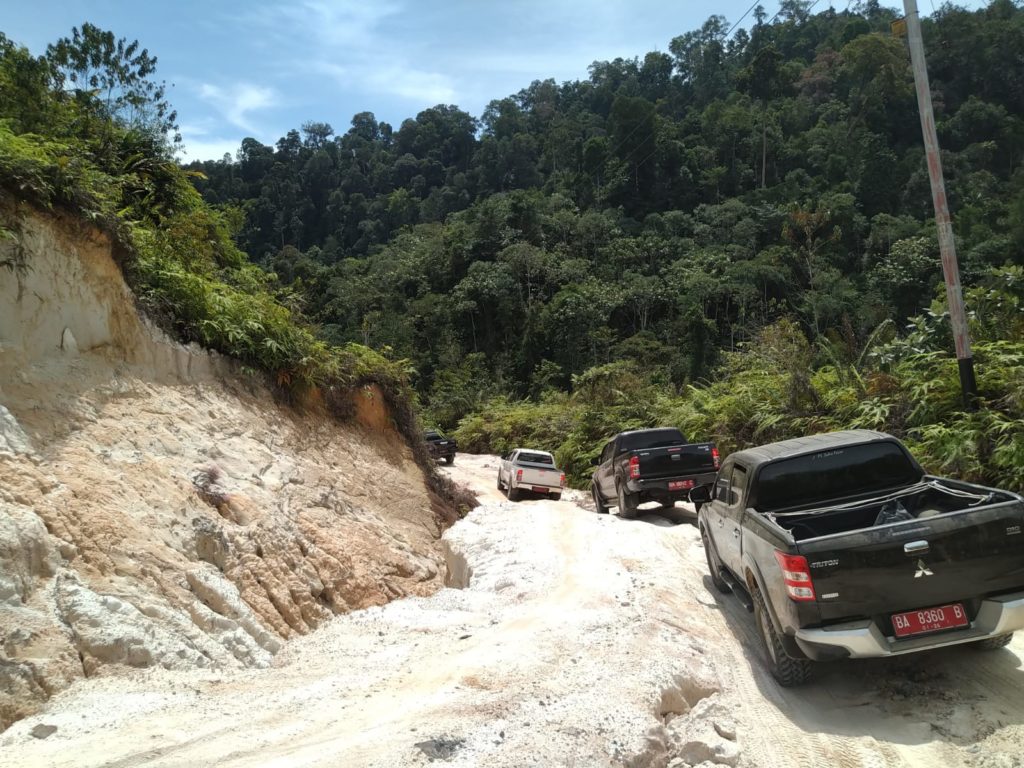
(922, 570)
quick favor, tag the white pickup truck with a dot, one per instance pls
(528, 470)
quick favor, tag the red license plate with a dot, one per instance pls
(680, 485)
(929, 620)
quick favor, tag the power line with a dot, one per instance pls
(756, 3)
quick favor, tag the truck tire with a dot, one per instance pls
(786, 670)
(514, 494)
(449, 459)
(500, 486)
(599, 506)
(714, 567)
(627, 501)
(556, 497)
(993, 643)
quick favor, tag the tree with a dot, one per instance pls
(112, 78)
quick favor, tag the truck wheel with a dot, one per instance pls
(784, 668)
(713, 565)
(599, 506)
(514, 494)
(627, 501)
(500, 486)
(449, 459)
(993, 643)
(556, 497)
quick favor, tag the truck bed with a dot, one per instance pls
(929, 499)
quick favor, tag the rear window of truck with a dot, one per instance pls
(833, 474)
(653, 438)
(536, 458)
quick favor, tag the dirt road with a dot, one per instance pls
(571, 639)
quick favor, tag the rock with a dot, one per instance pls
(109, 630)
(68, 343)
(13, 440)
(726, 729)
(708, 746)
(443, 748)
(27, 553)
(42, 731)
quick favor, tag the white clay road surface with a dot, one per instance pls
(576, 640)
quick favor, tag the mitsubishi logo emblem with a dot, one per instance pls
(922, 570)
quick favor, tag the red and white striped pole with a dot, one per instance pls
(947, 246)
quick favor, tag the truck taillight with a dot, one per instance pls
(716, 458)
(634, 467)
(562, 480)
(797, 576)
(519, 475)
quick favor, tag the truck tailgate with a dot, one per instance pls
(923, 563)
(676, 460)
(538, 475)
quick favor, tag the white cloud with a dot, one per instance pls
(419, 86)
(235, 103)
(416, 85)
(207, 149)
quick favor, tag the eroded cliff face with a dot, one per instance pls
(157, 507)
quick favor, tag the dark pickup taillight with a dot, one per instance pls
(797, 576)
(634, 467)
(716, 458)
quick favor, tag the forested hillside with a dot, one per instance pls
(663, 210)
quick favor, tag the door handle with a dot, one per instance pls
(736, 532)
(916, 547)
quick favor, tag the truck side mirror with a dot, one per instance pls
(700, 495)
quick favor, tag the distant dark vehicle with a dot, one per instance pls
(843, 547)
(650, 465)
(440, 447)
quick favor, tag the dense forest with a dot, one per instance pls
(663, 210)
(734, 236)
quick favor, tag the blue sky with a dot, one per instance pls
(259, 68)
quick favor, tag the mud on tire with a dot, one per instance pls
(786, 670)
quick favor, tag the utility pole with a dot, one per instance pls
(947, 247)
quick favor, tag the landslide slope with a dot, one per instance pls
(157, 506)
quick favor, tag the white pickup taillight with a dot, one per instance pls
(562, 480)
(716, 458)
(634, 467)
(519, 475)
(797, 576)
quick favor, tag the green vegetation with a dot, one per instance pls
(780, 386)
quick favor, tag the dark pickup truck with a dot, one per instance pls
(843, 547)
(439, 446)
(650, 465)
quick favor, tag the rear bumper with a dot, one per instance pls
(537, 488)
(659, 486)
(863, 639)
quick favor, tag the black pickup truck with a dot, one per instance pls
(439, 446)
(650, 465)
(843, 547)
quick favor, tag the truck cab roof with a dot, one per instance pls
(798, 446)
